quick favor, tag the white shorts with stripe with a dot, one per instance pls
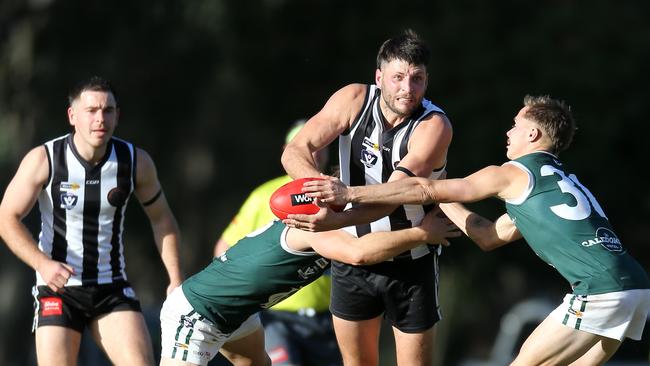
(188, 336)
(613, 315)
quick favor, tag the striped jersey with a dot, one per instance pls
(368, 154)
(567, 228)
(82, 210)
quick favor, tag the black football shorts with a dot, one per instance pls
(404, 290)
(77, 305)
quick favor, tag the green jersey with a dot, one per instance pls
(257, 272)
(564, 224)
(255, 213)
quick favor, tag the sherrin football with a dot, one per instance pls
(289, 199)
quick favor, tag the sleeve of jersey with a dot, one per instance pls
(249, 217)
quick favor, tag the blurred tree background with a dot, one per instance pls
(209, 88)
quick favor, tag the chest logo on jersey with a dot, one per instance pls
(607, 239)
(68, 187)
(368, 157)
(68, 200)
(369, 144)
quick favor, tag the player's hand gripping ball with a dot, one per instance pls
(290, 199)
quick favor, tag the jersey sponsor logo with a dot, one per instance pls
(92, 181)
(307, 272)
(68, 200)
(313, 270)
(51, 306)
(368, 158)
(368, 144)
(68, 186)
(300, 199)
(607, 239)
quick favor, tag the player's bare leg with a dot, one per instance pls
(599, 353)
(123, 335)
(247, 351)
(358, 341)
(57, 346)
(414, 348)
(552, 343)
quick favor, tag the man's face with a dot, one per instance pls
(94, 117)
(402, 86)
(519, 136)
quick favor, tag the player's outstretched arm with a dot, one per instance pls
(501, 181)
(165, 229)
(404, 191)
(379, 246)
(487, 234)
(327, 219)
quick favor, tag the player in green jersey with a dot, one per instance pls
(560, 220)
(297, 330)
(219, 304)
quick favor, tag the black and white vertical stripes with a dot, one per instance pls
(82, 210)
(369, 154)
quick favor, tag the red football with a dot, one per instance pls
(289, 199)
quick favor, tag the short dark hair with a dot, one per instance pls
(554, 117)
(407, 46)
(93, 83)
